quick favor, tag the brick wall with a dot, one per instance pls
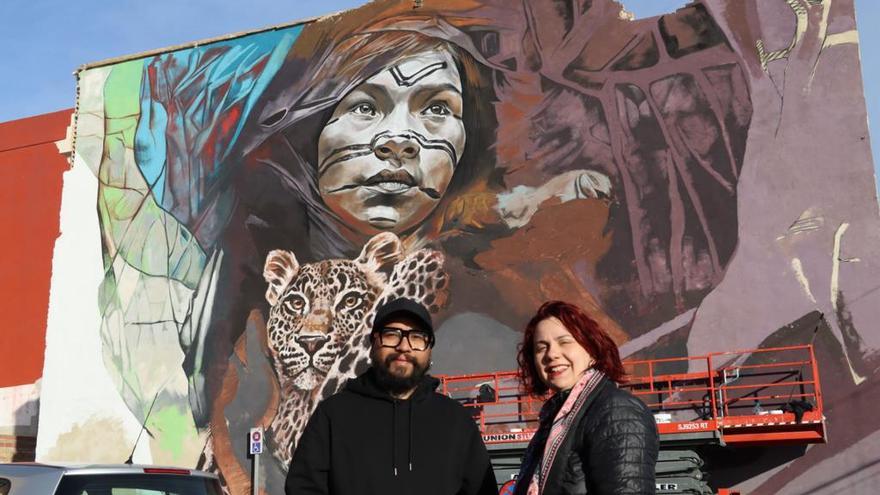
(31, 169)
(17, 448)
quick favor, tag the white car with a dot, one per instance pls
(112, 479)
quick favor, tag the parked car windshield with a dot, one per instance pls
(137, 484)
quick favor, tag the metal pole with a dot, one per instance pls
(256, 443)
(256, 485)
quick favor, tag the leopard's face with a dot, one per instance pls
(318, 312)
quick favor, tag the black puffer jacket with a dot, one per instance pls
(612, 450)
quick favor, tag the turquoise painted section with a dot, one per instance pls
(231, 83)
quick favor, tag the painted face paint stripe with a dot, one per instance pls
(342, 149)
(408, 80)
(362, 149)
(345, 158)
(379, 136)
(423, 141)
(440, 144)
(366, 149)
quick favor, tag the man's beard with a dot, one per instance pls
(398, 384)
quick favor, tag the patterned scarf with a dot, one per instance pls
(549, 436)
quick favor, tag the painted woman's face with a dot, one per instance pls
(386, 156)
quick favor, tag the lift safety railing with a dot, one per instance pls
(773, 393)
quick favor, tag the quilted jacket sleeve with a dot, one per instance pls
(622, 445)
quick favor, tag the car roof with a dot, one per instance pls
(71, 468)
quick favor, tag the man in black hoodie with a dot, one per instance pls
(388, 431)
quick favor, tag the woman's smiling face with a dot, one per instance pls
(388, 152)
(559, 358)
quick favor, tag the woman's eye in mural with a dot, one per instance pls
(364, 108)
(437, 109)
(295, 304)
(352, 300)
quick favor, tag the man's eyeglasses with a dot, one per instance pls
(417, 339)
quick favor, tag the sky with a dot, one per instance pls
(46, 40)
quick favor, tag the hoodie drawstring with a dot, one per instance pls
(410, 447)
(394, 436)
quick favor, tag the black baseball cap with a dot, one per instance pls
(404, 307)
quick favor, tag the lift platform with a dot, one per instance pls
(765, 397)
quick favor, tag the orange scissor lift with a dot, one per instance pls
(765, 397)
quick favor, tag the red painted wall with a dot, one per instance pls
(30, 201)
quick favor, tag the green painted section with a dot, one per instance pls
(123, 89)
(174, 430)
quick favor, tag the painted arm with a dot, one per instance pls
(519, 205)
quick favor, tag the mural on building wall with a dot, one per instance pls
(699, 182)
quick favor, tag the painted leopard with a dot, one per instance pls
(320, 319)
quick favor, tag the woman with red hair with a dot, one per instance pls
(593, 438)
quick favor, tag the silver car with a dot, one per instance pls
(111, 479)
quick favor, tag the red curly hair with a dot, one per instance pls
(585, 331)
